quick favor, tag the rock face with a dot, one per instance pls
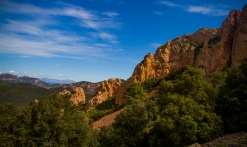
(105, 90)
(239, 45)
(208, 49)
(76, 96)
(88, 87)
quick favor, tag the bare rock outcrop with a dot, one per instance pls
(239, 45)
(208, 49)
(88, 87)
(105, 90)
(216, 52)
(76, 96)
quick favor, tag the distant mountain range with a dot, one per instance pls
(25, 79)
(53, 84)
(55, 81)
(43, 82)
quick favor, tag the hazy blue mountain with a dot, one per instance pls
(55, 81)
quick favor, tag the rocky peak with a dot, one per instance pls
(65, 92)
(5, 77)
(229, 23)
(202, 34)
(76, 96)
(105, 90)
(208, 49)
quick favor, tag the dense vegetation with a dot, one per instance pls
(232, 101)
(105, 108)
(188, 107)
(51, 121)
(21, 93)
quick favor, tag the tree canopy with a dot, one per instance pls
(188, 107)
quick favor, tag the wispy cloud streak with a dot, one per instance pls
(207, 10)
(170, 4)
(202, 9)
(39, 32)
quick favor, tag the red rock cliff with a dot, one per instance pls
(105, 90)
(209, 49)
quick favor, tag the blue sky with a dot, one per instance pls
(93, 40)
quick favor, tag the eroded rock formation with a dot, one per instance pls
(105, 90)
(76, 96)
(208, 49)
(239, 45)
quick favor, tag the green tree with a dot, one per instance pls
(106, 137)
(135, 93)
(8, 113)
(183, 121)
(232, 100)
(186, 111)
(151, 83)
(130, 126)
(52, 121)
(192, 83)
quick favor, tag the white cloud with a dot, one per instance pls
(43, 38)
(155, 45)
(170, 4)
(132, 60)
(36, 75)
(157, 13)
(12, 72)
(199, 9)
(203, 9)
(111, 14)
(207, 10)
(60, 75)
(25, 56)
(108, 36)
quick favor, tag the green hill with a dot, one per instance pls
(21, 93)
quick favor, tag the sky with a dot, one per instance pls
(94, 40)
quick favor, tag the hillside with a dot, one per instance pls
(88, 87)
(180, 92)
(21, 93)
(211, 50)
